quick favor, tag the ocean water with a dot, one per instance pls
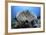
(16, 9)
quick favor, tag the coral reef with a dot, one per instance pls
(26, 19)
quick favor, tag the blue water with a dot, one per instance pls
(16, 9)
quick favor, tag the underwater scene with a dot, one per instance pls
(25, 17)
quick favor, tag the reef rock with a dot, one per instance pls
(26, 19)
